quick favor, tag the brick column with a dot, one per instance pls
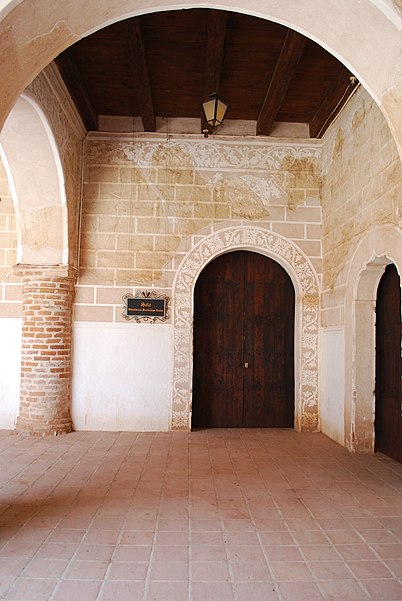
(48, 293)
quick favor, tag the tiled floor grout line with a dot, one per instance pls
(116, 476)
(79, 546)
(320, 529)
(379, 558)
(35, 555)
(156, 529)
(230, 570)
(190, 529)
(26, 437)
(105, 578)
(368, 544)
(275, 581)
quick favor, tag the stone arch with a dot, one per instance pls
(32, 162)
(31, 36)
(304, 279)
(380, 247)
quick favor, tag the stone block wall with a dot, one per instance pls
(148, 200)
(361, 189)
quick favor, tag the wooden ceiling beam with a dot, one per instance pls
(216, 30)
(285, 68)
(141, 79)
(72, 76)
(337, 95)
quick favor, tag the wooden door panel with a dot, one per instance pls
(217, 389)
(269, 333)
(388, 421)
(243, 314)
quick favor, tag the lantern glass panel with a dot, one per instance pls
(209, 110)
(220, 111)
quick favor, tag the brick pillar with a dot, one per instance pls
(48, 292)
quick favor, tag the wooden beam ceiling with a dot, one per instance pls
(72, 75)
(140, 73)
(338, 93)
(216, 31)
(285, 69)
(166, 63)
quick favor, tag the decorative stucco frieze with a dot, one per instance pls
(306, 319)
(182, 152)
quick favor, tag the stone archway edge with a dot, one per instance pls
(306, 319)
(380, 246)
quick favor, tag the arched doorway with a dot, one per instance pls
(306, 288)
(243, 376)
(388, 413)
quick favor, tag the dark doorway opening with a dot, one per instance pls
(243, 374)
(388, 412)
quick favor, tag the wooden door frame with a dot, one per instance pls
(307, 298)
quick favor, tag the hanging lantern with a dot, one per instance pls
(214, 111)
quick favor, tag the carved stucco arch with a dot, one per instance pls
(380, 247)
(304, 279)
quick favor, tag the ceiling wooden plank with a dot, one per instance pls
(140, 73)
(337, 95)
(71, 74)
(216, 31)
(288, 60)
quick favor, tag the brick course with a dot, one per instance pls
(48, 294)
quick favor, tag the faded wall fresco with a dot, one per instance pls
(145, 198)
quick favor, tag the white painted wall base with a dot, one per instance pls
(332, 379)
(10, 362)
(122, 376)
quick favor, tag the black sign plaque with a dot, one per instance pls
(145, 306)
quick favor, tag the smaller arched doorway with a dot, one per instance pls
(388, 413)
(243, 374)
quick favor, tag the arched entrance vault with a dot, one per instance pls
(31, 36)
(306, 287)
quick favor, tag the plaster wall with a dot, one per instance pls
(10, 361)
(122, 377)
(332, 383)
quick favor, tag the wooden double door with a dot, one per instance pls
(243, 372)
(388, 414)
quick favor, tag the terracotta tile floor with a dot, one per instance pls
(218, 515)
